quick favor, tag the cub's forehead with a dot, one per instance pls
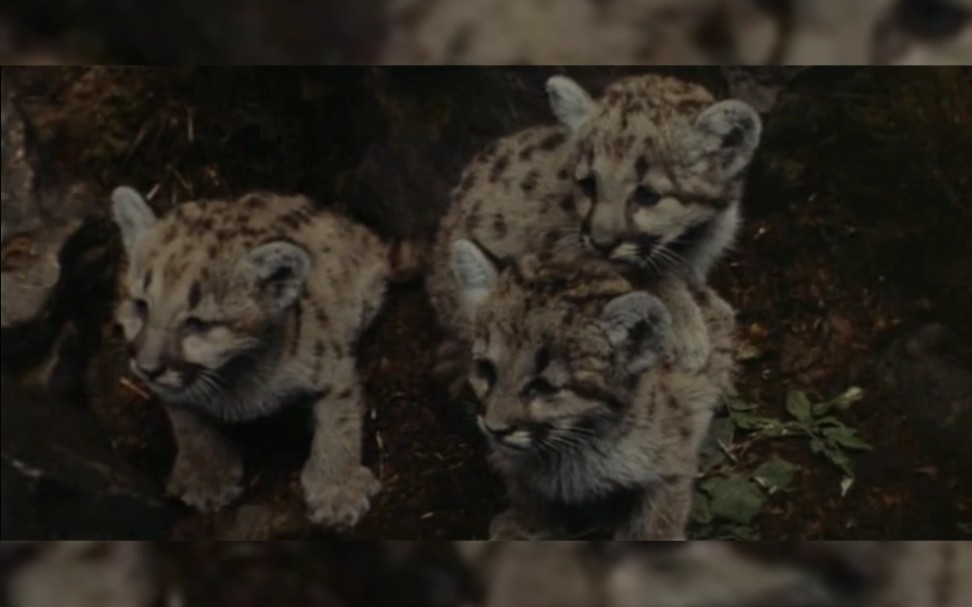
(645, 114)
(662, 94)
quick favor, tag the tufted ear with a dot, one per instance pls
(570, 102)
(278, 270)
(132, 214)
(475, 274)
(728, 133)
(637, 325)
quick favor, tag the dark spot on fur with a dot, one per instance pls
(499, 167)
(567, 203)
(542, 360)
(530, 181)
(563, 174)
(641, 167)
(499, 226)
(672, 402)
(473, 222)
(346, 393)
(253, 202)
(147, 280)
(552, 141)
(527, 152)
(195, 295)
(467, 183)
(298, 322)
(459, 43)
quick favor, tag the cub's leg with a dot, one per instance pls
(664, 513)
(208, 470)
(690, 333)
(337, 487)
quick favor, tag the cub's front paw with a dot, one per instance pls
(209, 483)
(338, 501)
(692, 349)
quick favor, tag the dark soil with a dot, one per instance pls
(857, 228)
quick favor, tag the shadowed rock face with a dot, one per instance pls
(57, 266)
(71, 484)
(928, 371)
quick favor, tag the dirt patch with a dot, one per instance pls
(840, 252)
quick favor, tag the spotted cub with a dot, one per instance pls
(650, 176)
(234, 309)
(590, 424)
(679, 32)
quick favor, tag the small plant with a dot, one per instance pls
(732, 493)
(828, 435)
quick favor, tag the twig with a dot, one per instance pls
(134, 388)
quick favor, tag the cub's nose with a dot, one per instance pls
(603, 245)
(149, 373)
(497, 433)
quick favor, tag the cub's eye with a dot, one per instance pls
(486, 371)
(141, 307)
(540, 387)
(588, 185)
(646, 197)
(195, 326)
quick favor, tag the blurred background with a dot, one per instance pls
(538, 32)
(525, 574)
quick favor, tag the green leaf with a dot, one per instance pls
(821, 409)
(775, 474)
(774, 428)
(838, 458)
(849, 397)
(734, 498)
(799, 406)
(847, 437)
(701, 513)
(717, 443)
(817, 445)
(736, 404)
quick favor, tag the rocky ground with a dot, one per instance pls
(853, 271)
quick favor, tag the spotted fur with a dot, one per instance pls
(705, 574)
(573, 378)
(234, 309)
(679, 32)
(650, 176)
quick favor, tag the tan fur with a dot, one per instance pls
(523, 192)
(703, 574)
(605, 429)
(665, 32)
(233, 344)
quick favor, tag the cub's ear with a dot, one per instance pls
(727, 134)
(475, 275)
(638, 325)
(132, 214)
(569, 101)
(278, 271)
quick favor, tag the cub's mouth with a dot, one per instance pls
(511, 438)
